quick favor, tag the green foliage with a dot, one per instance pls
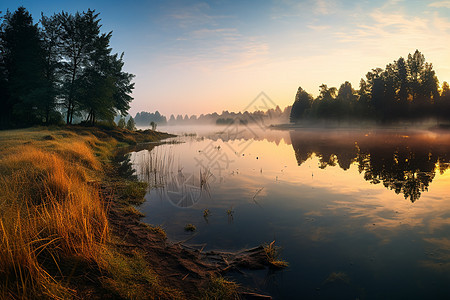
(66, 58)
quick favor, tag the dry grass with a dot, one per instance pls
(273, 256)
(52, 215)
(48, 212)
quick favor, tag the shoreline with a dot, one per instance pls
(134, 259)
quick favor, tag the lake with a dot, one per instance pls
(359, 214)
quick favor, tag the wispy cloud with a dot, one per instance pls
(440, 4)
(206, 41)
(325, 7)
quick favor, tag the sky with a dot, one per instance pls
(194, 57)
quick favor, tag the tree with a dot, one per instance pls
(23, 64)
(121, 123)
(78, 36)
(325, 104)
(153, 125)
(93, 79)
(51, 43)
(403, 81)
(443, 103)
(5, 103)
(302, 103)
(130, 124)
(346, 100)
(415, 64)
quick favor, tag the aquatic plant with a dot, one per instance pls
(273, 254)
(190, 227)
(230, 212)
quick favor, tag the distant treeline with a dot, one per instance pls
(144, 118)
(406, 90)
(270, 116)
(61, 67)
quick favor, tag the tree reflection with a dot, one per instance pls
(404, 164)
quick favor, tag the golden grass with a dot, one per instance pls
(52, 215)
(48, 212)
(273, 254)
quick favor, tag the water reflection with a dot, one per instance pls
(405, 164)
(344, 237)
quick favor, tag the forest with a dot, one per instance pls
(269, 116)
(59, 69)
(406, 90)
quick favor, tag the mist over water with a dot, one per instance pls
(361, 213)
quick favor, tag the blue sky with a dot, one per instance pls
(201, 56)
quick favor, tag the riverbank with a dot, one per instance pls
(70, 228)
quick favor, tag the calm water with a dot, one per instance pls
(361, 214)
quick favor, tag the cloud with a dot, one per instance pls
(439, 4)
(206, 41)
(325, 7)
(319, 27)
(388, 31)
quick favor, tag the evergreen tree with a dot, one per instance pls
(302, 104)
(51, 42)
(79, 35)
(130, 124)
(121, 123)
(23, 64)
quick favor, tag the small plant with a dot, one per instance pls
(156, 230)
(204, 178)
(134, 191)
(190, 227)
(131, 210)
(206, 213)
(220, 288)
(272, 254)
(230, 212)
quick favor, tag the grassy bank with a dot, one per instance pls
(55, 237)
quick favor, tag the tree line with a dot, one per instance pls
(406, 90)
(60, 67)
(272, 115)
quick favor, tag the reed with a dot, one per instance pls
(273, 256)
